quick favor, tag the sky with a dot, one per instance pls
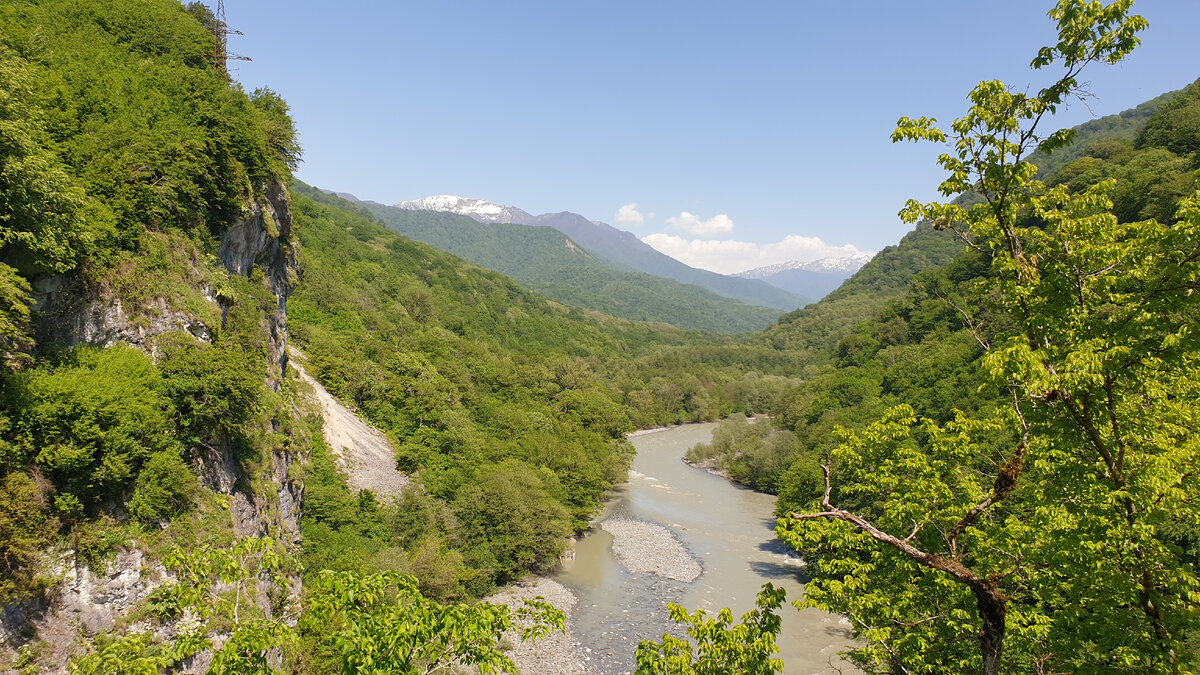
(727, 134)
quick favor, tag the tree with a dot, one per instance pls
(1053, 532)
(381, 623)
(747, 648)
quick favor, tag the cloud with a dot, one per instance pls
(691, 223)
(629, 215)
(730, 256)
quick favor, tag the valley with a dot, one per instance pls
(253, 426)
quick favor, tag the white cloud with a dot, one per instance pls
(730, 257)
(691, 223)
(629, 215)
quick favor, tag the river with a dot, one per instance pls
(728, 528)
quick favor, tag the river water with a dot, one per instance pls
(729, 529)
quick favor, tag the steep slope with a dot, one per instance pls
(547, 261)
(1123, 126)
(146, 268)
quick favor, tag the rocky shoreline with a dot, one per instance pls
(710, 466)
(555, 653)
(642, 548)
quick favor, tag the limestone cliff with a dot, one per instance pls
(71, 311)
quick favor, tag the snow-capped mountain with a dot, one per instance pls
(616, 248)
(813, 279)
(841, 266)
(479, 209)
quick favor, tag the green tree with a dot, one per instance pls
(381, 623)
(26, 530)
(721, 646)
(511, 519)
(1051, 532)
(94, 420)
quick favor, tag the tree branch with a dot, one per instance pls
(1006, 482)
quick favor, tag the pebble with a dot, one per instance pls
(648, 548)
(555, 654)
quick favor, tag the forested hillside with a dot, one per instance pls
(544, 260)
(983, 444)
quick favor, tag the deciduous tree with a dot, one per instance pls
(1052, 532)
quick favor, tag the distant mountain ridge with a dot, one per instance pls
(619, 249)
(846, 265)
(479, 209)
(815, 279)
(547, 261)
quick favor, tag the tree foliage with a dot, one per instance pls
(1053, 532)
(721, 646)
(382, 624)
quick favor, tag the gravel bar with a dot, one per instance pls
(646, 548)
(554, 654)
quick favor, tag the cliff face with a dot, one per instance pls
(263, 238)
(73, 313)
(90, 601)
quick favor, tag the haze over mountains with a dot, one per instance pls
(816, 278)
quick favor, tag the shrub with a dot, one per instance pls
(166, 486)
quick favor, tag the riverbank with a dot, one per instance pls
(655, 564)
(556, 653)
(710, 466)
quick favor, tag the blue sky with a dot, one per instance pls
(743, 132)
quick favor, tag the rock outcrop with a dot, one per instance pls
(262, 237)
(87, 602)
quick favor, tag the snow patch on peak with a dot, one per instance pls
(842, 266)
(479, 209)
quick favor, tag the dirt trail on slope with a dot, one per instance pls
(362, 451)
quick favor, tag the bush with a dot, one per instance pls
(215, 389)
(95, 419)
(166, 486)
(26, 529)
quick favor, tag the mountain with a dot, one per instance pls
(545, 260)
(619, 249)
(847, 265)
(483, 211)
(814, 279)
